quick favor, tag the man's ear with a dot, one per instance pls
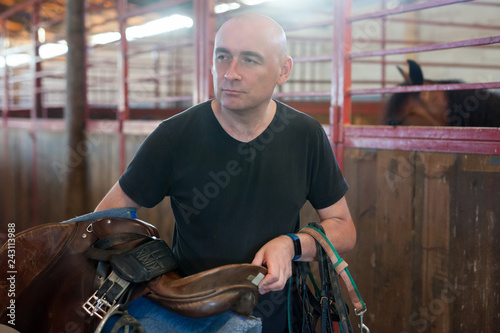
(285, 69)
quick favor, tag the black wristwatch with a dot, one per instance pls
(296, 246)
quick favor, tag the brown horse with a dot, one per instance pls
(479, 107)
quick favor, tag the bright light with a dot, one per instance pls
(225, 7)
(104, 38)
(152, 28)
(253, 2)
(51, 50)
(14, 60)
(41, 35)
(159, 26)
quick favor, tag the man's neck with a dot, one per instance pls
(246, 125)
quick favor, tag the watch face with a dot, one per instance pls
(296, 246)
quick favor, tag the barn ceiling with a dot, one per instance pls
(18, 26)
(102, 15)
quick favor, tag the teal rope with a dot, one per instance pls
(288, 305)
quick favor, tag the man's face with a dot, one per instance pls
(247, 67)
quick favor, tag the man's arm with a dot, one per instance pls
(339, 228)
(277, 254)
(116, 198)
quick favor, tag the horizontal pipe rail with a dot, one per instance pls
(446, 24)
(164, 99)
(434, 87)
(435, 139)
(153, 8)
(303, 94)
(431, 47)
(483, 3)
(430, 64)
(409, 42)
(157, 77)
(308, 26)
(313, 59)
(161, 48)
(404, 9)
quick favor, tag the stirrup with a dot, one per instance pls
(132, 325)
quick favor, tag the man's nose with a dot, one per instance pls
(233, 71)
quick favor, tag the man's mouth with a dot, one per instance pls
(231, 91)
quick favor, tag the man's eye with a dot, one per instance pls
(250, 61)
(222, 57)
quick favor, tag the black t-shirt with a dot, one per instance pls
(229, 197)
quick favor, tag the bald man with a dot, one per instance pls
(238, 168)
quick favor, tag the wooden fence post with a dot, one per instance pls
(76, 196)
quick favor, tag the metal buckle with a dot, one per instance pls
(100, 306)
(97, 306)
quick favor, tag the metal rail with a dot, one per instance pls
(403, 9)
(444, 139)
(431, 47)
(433, 87)
(449, 139)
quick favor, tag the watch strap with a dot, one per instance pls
(296, 245)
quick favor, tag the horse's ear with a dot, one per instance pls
(405, 75)
(416, 75)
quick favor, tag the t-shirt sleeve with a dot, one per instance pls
(327, 185)
(146, 179)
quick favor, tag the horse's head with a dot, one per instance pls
(426, 108)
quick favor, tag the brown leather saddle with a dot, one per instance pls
(59, 287)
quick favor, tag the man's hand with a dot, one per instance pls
(277, 255)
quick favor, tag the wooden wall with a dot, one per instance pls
(426, 259)
(51, 164)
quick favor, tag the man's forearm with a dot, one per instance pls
(340, 235)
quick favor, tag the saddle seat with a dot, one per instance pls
(210, 292)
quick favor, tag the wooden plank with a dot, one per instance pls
(102, 163)
(393, 239)
(4, 179)
(21, 160)
(430, 310)
(54, 155)
(475, 245)
(360, 169)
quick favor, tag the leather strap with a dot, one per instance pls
(100, 250)
(136, 258)
(331, 286)
(339, 266)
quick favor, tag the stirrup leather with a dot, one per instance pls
(101, 302)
